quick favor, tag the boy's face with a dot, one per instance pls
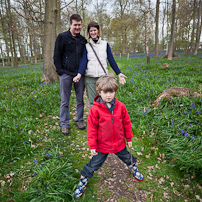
(107, 96)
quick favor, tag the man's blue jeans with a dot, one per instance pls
(97, 161)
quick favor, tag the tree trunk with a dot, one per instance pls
(193, 28)
(30, 46)
(170, 49)
(157, 30)
(2, 56)
(164, 13)
(49, 73)
(5, 38)
(198, 30)
(34, 46)
(167, 28)
(15, 62)
(147, 34)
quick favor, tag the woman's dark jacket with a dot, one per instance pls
(68, 52)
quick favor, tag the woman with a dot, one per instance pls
(89, 64)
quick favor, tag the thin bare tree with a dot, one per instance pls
(170, 49)
(198, 30)
(157, 30)
(15, 61)
(148, 33)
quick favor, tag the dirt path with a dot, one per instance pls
(116, 178)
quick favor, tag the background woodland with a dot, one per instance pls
(28, 28)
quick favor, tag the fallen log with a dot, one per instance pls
(175, 92)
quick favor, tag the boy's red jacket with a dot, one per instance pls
(107, 132)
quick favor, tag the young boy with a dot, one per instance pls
(108, 127)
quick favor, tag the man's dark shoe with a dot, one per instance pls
(65, 131)
(81, 125)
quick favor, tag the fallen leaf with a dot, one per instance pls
(161, 180)
(150, 167)
(147, 156)
(157, 167)
(150, 178)
(171, 184)
(11, 174)
(2, 183)
(198, 197)
(166, 195)
(6, 176)
(187, 186)
(139, 153)
(150, 175)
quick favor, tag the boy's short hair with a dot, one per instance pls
(76, 17)
(107, 84)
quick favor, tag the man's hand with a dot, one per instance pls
(129, 144)
(77, 78)
(93, 152)
(122, 78)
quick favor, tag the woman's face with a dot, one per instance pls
(93, 32)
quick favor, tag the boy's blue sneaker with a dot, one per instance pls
(136, 172)
(81, 187)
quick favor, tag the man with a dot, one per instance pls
(69, 47)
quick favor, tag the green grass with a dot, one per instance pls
(39, 164)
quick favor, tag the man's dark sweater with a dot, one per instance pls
(68, 52)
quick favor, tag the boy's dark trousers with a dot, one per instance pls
(97, 161)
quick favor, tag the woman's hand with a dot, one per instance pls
(129, 144)
(77, 78)
(93, 152)
(122, 78)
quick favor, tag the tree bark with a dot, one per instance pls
(198, 30)
(15, 62)
(157, 30)
(164, 13)
(2, 56)
(193, 28)
(170, 49)
(167, 28)
(3, 24)
(147, 34)
(49, 73)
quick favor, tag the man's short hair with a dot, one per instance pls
(107, 84)
(93, 24)
(76, 17)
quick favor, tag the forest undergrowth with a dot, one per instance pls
(38, 163)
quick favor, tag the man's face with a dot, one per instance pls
(75, 27)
